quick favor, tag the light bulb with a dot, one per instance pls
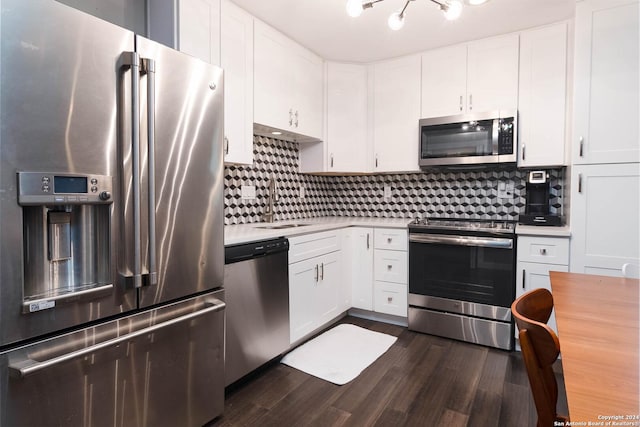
(395, 21)
(476, 2)
(453, 10)
(354, 8)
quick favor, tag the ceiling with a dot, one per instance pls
(324, 27)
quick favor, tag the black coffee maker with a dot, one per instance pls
(537, 210)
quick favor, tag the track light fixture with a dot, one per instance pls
(450, 8)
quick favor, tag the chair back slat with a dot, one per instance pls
(540, 349)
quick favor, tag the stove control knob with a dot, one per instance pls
(105, 195)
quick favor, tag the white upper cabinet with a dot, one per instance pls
(200, 29)
(191, 26)
(346, 135)
(477, 76)
(606, 82)
(396, 111)
(288, 84)
(444, 81)
(236, 53)
(542, 96)
(492, 74)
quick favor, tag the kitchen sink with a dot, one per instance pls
(280, 226)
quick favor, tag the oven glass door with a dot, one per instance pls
(474, 269)
(466, 139)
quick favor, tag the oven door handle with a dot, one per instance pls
(486, 242)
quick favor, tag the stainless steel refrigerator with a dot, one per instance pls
(111, 225)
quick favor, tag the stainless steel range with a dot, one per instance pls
(462, 279)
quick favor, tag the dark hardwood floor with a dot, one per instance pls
(421, 380)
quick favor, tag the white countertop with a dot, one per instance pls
(540, 230)
(243, 233)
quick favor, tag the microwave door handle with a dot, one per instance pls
(23, 367)
(149, 67)
(495, 137)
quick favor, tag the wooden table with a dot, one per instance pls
(599, 329)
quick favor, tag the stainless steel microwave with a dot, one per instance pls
(469, 139)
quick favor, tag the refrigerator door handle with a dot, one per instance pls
(23, 367)
(149, 68)
(132, 60)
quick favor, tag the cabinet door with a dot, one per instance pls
(307, 84)
(492, 74)
(396, 111)
(360, 264)
(606, 87)
(237, 61)
(444, 81)
(272, 78)
(542, 96)
(199, 29)
(328, 289)
(347, 118)
(303, 282)
(605, 231)
(530, 276)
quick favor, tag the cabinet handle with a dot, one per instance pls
(389, 240)
(316, 276)
(581, 146)
(226, 145)
(543, 251)
(470, 102)
(376, 160)
(389, 300)
(290, 116)
(367, 240)
(523, 276)
(331, 159)
(296, 115)
(579, 183)
(523, 148)
(322, 271)
(460, 102)
(389, 266)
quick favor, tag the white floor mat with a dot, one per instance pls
(340, 354)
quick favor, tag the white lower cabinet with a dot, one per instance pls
(359, 266)
(537, 256)
(605, 201)
(315, 283)
(390, 269)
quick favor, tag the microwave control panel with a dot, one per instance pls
(505, 136)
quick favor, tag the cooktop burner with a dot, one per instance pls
(494, 226)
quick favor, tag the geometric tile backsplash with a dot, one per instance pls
(457, 194)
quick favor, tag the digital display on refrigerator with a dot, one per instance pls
(69, 184)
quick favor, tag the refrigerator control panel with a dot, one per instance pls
(45, 188)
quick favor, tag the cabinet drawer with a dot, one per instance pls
(549, 250)
(389, 238)
(313, 245)
(390, 266)
(390, 298)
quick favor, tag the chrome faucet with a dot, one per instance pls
(269, 213)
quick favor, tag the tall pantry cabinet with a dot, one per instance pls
(605, 177)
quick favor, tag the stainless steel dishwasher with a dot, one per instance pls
(256, 281)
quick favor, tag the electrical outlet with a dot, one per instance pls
(301, 192)
(505, 190)
(248, 192)
(387, 192)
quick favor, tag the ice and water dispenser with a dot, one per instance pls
(66, 219)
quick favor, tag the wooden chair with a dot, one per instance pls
(540, 348)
